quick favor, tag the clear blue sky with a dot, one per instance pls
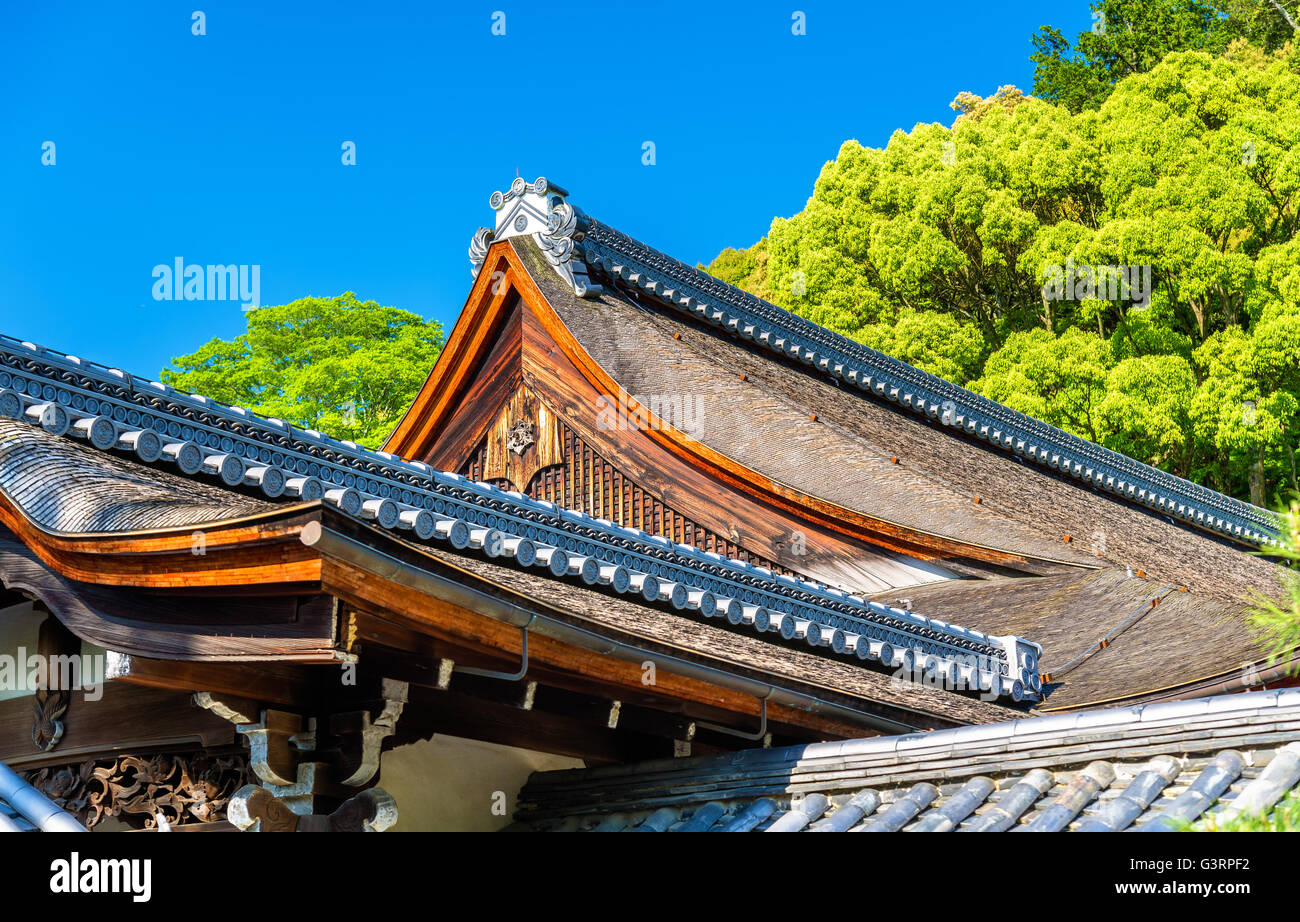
(226, 147)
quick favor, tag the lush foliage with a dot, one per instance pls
(344, 367)
(1279, 625)
(1130, 273)
(1284, 817)
(1133, 36)
(1278, 622)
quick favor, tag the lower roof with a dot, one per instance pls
(1147, 767)
(1184, 638)
(64, 487)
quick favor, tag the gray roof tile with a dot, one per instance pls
(1154, 768)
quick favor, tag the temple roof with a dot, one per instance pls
(1148, 768)
(131, 498)
(1023, 550)
(81, 406)
(806, 431)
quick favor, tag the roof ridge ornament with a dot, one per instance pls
(538, 209)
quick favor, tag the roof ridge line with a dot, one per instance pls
(1045, 730)
(578, 246)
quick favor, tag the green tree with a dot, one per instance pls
(1188, 174)
(1246, 410)
(937, 343)
(1133, 36)
(343, 367)
(1060, 380)
(1144, 412)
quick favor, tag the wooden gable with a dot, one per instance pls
(511, 368)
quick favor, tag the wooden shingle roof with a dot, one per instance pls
(80, 490)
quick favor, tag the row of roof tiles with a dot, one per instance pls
(1166, 794)
(1153, 768)
(112, 411)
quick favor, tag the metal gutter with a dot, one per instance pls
(33, 805)
(383, 565)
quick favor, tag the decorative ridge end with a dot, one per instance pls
(538, 209)
(478, 247)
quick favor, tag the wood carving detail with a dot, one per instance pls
(58, 650)
(521, 437)
(182, 789)
(524, 440)
(48, 706)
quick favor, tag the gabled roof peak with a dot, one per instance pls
(525, 207)
(581, 248)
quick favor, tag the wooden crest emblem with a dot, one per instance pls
(524, 439)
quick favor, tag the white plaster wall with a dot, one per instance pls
(20, 627)
(451, 784)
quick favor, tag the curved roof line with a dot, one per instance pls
(618, 259)
(112, 411)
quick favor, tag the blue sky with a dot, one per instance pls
(226, 147)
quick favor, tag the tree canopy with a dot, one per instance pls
(344, 367)
(1129, 272)
(1133, 36)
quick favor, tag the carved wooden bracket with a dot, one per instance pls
(183, 790)
(255, 809)
(363, 738)
(275, 743)
(47, 709)
(299, 770)
(56, 646)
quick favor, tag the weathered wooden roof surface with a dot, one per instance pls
(788, 422)
(123, 488)
(79, 421)
(65, 488)
(846, 454)
(1147, 768)
(1185, 637)
(606, 256)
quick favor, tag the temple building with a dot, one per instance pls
(645, 552)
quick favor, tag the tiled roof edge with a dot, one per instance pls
(112, 410)
(1058, 728)
(1046, 733)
